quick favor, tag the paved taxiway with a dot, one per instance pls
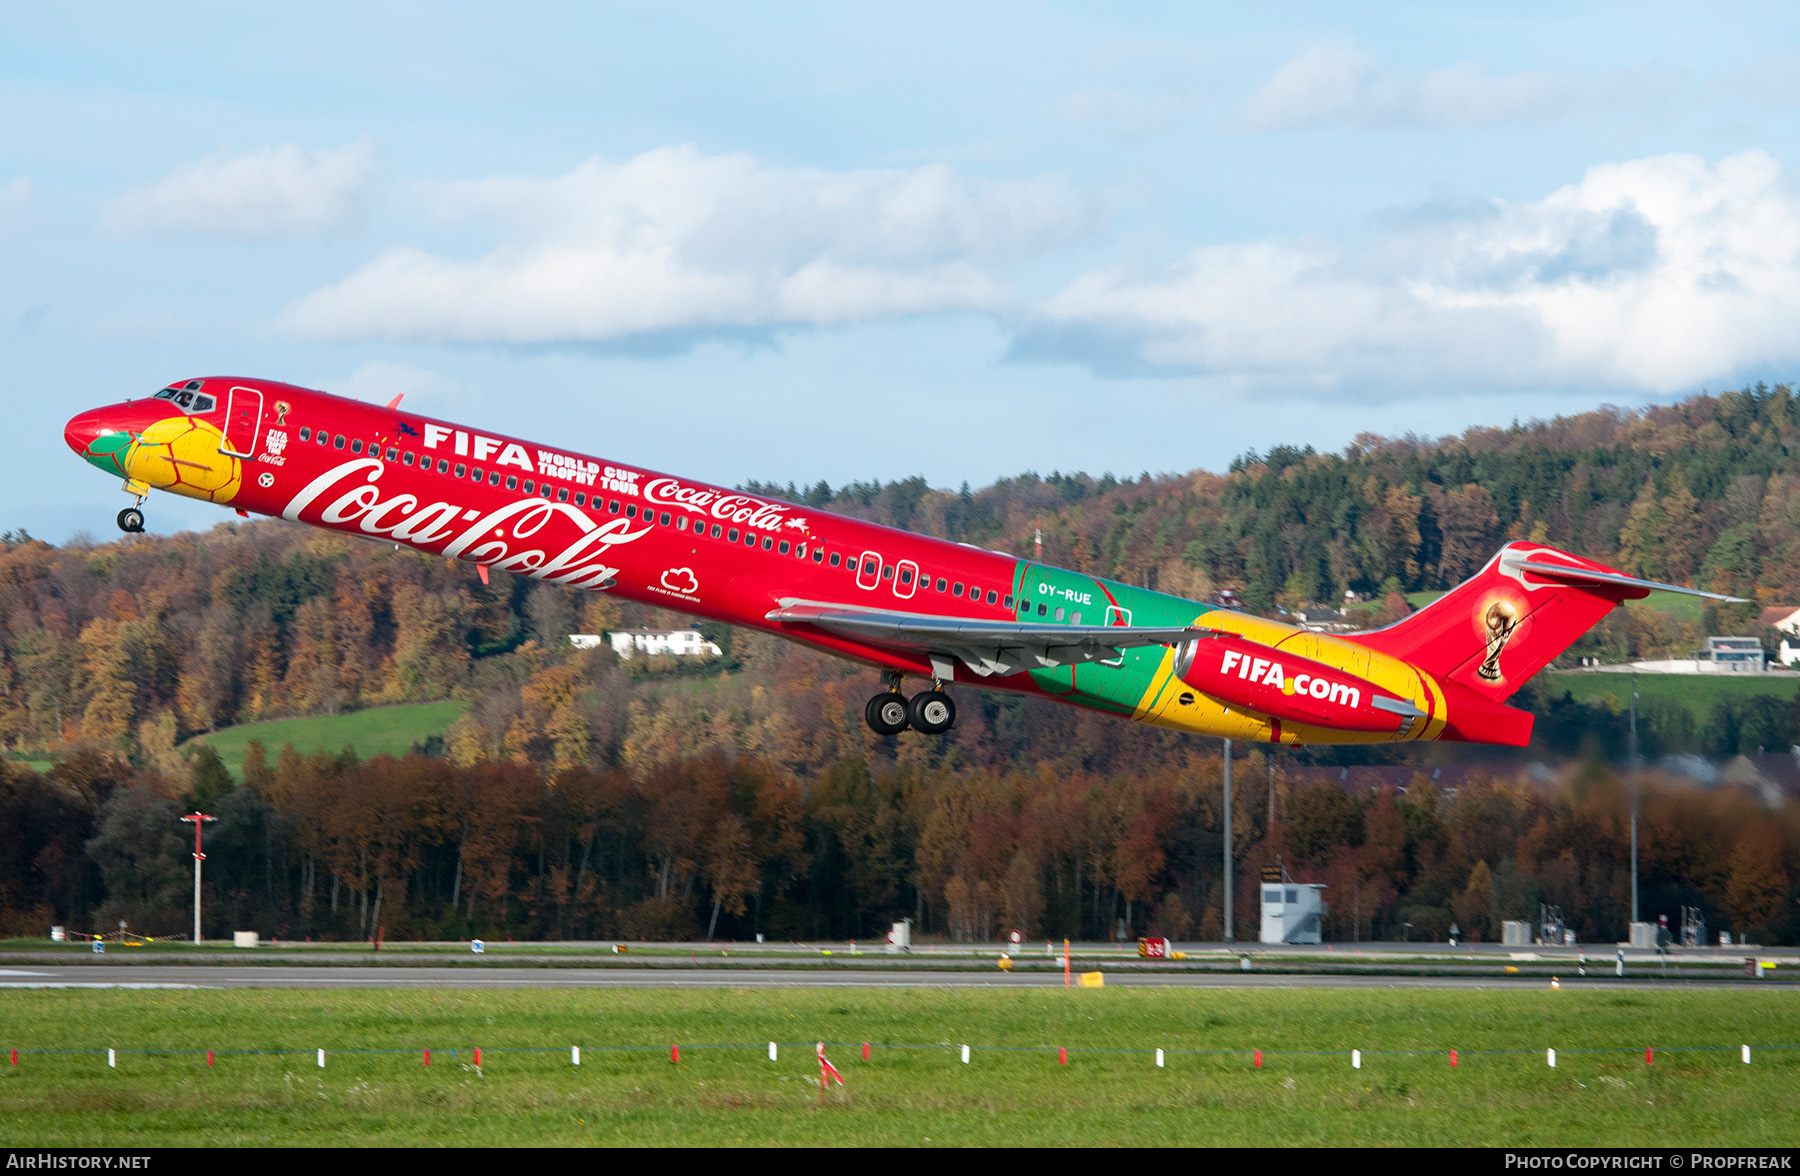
(128, 976)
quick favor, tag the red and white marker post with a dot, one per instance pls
(827, 1074)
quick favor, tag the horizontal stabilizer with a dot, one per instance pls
(1588, 576)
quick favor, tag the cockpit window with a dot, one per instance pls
(187, 399)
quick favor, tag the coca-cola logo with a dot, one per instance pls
(550, 541)
(739, 509)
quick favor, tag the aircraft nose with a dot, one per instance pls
(84, 429)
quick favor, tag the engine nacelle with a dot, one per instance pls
(1295, 689)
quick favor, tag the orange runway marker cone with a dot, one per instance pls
(478, 1057)
(209, 1057)
(1453, 1059)
(427, 1057)
(1062, 1056)
(1649, 1056)
(865, 1051)
(1259, 1059)
(675, 1054)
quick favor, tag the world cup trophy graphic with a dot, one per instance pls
(1500, 621)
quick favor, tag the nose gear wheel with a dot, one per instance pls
(131, 520)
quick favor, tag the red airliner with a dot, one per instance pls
(907, 605)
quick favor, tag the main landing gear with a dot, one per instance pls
(131, 520)
(930, 712)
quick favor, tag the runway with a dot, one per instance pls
(228, 977)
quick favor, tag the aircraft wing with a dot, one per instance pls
(987, 647)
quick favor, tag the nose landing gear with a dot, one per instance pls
(930, 712)
(131, 520)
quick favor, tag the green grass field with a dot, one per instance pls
(1013, 1091)
(1696, 692)
(385, 729)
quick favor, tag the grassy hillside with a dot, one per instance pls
(378, 730)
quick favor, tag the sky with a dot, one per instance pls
(794, 242)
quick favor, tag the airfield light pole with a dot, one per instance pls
(1633, 767)
(1228, 841)
(198, 820)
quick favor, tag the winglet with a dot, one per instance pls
(395, 402)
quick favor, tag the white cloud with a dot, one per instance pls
(679, 241)
(1331, 86)
(275, 192)
(1657, 274)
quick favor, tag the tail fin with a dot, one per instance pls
(1496, 629)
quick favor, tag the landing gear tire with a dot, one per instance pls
(131, 520)
(931, 713)
(886, 713)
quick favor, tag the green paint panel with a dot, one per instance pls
(1045, 592)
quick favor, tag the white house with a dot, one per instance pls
(1784, 618)
(662, 642)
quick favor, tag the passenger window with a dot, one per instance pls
(305, 433)
(494, 478)
(613, 506)
(630, 511)
(562, 494)
(462, 471)
(356, 446)
(849, 564)
(393, 455)
(1043, 610)
(580, 498)
(732, 535)
(512, 481)
(784, 547)
(338, 441)
(528, 485)
(717, 531)
(749, 539)
(1075, 618)
(1059, 614)
(406, 458)
(906, 577)
(834, 559)
(681, 523)
(957, 590)
(818, 555)
(887, 573)
(991, 596)
(475, 474)
(1006, 601)
(768, 543)
(322, 437)
(664, 518)
(443, 466)
(941, 584)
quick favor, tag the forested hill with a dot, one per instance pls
(578, 795)
(1703, 493)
